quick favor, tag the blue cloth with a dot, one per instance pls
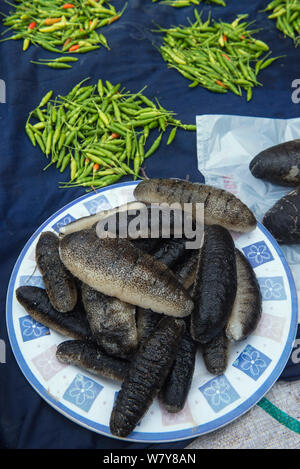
(28, 195)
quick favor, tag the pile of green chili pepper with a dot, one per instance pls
(61, 27)
(187, 3)
(218, 56)
(287, 16)
(100, 132)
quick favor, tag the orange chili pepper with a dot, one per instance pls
(32, 25)
(220, 83)
(96, 167)
(226, 57)
(115, 135)
(75, 47)
(68, 5)
(224, 38)
(113, 19)
(67, 41)
(243, 37)
(50, 21)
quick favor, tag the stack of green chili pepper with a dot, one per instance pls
(61, 27)
(218, 56)
(287, 16)
(187, 3)
(100, 131)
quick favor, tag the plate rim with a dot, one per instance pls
(147, 437)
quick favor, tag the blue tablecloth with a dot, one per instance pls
(28, 195)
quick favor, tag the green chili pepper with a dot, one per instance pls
(56, 136)
(191, 127)
(39, 125)
(73, 168)
(100, 88)
(45, 99)
(49, 142)
(30, 134)
(136, 165)
(249, 93)
(65, 162)
(172, 135)
(60, 157)
(40, 142)
(154, 146)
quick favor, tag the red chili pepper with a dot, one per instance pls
(243, 37)
(224, 38)
(68, 5)
(75, 47)
(32, 25)
(115, 135)
(226, 57)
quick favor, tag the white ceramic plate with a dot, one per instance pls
(254, 364)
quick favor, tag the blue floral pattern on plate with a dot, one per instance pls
(219, 393)
(272, 288)
(31, 329)
(258, 253)
(82, 392)
(63, 222)
(252, 362)
(96, 205)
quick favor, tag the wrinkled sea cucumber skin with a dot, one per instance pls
(215, 286)
(283, 219)
(220, 207)
(247, 308)
(36, 302)
(60, 284)
(177, 385)
(91, 358)
(116, 268)
(146, 376)
(279, 164)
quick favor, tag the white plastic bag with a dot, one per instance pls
(226, 145)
